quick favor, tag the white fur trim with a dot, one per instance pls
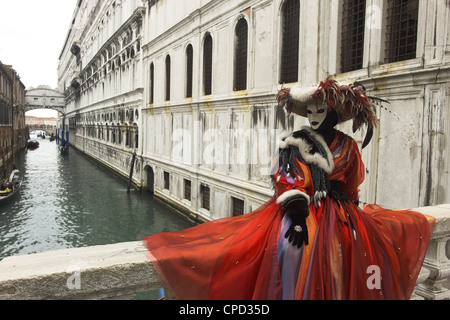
(304, 147)
(283, 135)
(294, 192)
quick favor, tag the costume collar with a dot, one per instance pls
(308, 142)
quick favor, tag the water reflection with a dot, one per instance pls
(70, 201)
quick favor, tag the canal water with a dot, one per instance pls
(70, 201)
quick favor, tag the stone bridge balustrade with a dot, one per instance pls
(436, 286)
(119, 271)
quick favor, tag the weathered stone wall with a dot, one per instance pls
(227, 139)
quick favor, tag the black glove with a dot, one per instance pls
(298, 211)
(297, 232)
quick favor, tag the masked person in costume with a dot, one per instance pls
(311, 241)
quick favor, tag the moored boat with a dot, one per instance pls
(32, 144)
(9, 187)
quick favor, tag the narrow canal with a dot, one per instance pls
(70, 201)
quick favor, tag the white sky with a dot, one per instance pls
(32, 35)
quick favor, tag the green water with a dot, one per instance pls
(70, 201)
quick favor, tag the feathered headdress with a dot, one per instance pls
(349, 102)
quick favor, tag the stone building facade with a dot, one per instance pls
(190, 87)
(12, 113)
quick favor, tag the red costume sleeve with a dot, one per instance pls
(298, 184)
(349, 168)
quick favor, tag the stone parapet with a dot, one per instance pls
(436, 286)
(119, 271)
(99, 272)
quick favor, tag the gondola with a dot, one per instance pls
(11, 186)
(32, 144)
(63, 149)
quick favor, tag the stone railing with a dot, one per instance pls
(119, 271)
(434, 279)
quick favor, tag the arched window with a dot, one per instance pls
(152, 82)
(136, 135)
(240, 55)
(119, 134)
(207, 65)
(189, 69)
(290, 41)
(167, 78)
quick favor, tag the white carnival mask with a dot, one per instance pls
(316, 115)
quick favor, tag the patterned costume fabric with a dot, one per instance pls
(248, 257)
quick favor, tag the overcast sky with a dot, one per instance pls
(32, 35)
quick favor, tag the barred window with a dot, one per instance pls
(189, 69)
(205, 196)
(127, 137)
(401, 37)
(166, 180)
(353, 25)
(136, 137)
(290, 41)
(187, 189)
(152, 82)
(207, 65)
(238, 206)
(167, 78)
(113, 135)
(240, 58)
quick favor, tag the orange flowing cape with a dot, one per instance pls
(353, 253)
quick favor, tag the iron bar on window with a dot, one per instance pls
(240, 63)
(353, 25)
(401, 37)
(290, 41)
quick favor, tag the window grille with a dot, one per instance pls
(353, 25)
(290, 41)
(189, 69)
(205, 196)
(207, 65)
(187, 189)
(401, 37)
(166, 180)
(152, 82)
(168, 78)
(127, 137)
(136, 139)
(238, 206)
(240, 60)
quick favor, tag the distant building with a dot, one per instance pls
(190, 86)
(12, 114)
(43, 122)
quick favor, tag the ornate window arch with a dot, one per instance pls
(168, 67)
(240, 55)
(207, 64)
(189, 70)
